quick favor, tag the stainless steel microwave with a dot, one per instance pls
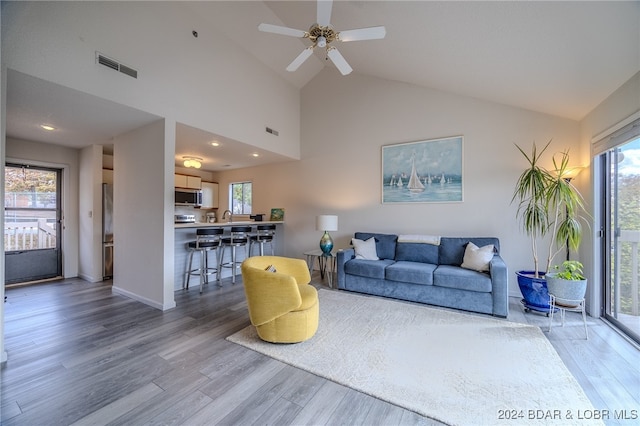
(189, 197)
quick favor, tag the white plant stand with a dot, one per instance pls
(563, 305)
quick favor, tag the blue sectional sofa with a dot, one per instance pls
(427, 272)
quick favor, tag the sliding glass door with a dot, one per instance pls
(621, 232)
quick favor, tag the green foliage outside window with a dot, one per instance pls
(628, 219)
(29, 188)
(241, 197)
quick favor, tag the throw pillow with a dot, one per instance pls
(477, 258)
(365, 249)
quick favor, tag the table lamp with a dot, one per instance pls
(326, 223)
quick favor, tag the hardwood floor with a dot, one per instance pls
(79, 354)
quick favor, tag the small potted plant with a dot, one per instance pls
(567, 284)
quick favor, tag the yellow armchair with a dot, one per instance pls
(282, 305)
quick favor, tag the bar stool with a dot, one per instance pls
(264, 235)
(238, 238)
(207, 240)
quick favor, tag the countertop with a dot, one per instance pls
(225, 224)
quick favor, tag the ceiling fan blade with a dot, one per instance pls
(339, 61)
(277, 29)
(370, 33)
(324, 12)
(300, 59)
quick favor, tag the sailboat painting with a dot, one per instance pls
(428, 171)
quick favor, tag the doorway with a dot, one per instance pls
(32, 227)
(620, 183)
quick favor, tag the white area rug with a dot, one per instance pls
(456, 368)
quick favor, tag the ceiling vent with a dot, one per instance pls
(272, 131)
(115, 65)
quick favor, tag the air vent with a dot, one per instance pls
(272, 131)
(115, 65)
(128, 71)
(103, 60)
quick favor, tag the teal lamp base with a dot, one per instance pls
(326, 243)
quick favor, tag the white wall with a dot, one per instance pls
(143, 215)
(621, 104)
(206, 82)
(340, 170)
(90, 214)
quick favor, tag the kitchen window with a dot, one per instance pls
(240, 196)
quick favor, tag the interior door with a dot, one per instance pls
(32, 216)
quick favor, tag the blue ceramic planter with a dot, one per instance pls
(534, 291)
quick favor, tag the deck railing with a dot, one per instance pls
(29, 235)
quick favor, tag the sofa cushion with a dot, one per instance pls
(411, 272)
(385, 243)
(367, 268)
(417, 252)
(365, 249)
(477, 258)
(462, 279)
(451, 249)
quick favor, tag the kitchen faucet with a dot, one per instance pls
(230, 215)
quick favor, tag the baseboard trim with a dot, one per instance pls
(142, 299)
(90, 278)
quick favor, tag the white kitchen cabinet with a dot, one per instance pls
(184, 181)
(194, 182)
(209, 195)
(180, 181)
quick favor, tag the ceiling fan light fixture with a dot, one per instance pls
(195, 162)
(322, 34)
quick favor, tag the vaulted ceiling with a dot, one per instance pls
(560, 58)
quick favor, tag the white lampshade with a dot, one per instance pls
(327, 222)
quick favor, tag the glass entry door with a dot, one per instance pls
(621, 290)
(32, 223)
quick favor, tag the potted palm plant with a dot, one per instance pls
(548, 204)
(568, 284)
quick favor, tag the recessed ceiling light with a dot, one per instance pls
(255, 154)
(47, 127)
(215, 143)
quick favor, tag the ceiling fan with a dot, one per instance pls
(322, 35)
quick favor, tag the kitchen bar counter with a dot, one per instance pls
(225, 224)
(185, 232)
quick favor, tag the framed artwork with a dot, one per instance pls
(428, 171)
(277, 214)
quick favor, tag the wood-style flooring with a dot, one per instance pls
(79, 354)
